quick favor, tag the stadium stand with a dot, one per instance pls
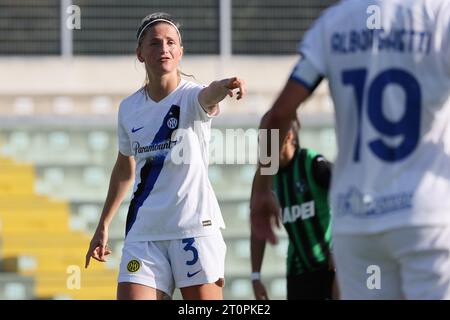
(16, 287)
(36, 241)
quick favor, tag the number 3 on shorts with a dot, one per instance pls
(188, 247)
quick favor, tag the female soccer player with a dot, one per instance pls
(173, 236)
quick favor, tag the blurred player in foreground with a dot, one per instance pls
(388, 67)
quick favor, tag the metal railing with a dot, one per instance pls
(107, 27)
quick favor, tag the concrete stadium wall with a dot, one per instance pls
(40, 76)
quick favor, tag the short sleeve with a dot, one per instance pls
(123, 138)
(312, 47)
(196, 108)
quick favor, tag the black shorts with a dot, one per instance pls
(315, 285)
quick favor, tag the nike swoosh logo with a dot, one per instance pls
(190, 275)
(133, 130)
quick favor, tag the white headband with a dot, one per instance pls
(159, 20)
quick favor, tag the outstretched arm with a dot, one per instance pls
(305, 77)
(210, 96)
(264, 216)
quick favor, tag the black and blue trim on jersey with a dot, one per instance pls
(310, 87)
(153, 166)
(306, 74)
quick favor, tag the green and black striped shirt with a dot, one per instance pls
(302, 191)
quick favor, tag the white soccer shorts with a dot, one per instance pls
(407, 263)
(179, 263)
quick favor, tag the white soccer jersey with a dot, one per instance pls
(390, 84)
(173, 197)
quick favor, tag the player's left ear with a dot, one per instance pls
(139, 54)
(287, 138)
(181, 51)
(291, 137)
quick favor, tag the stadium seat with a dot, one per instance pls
(16, 287)
(23, 106)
